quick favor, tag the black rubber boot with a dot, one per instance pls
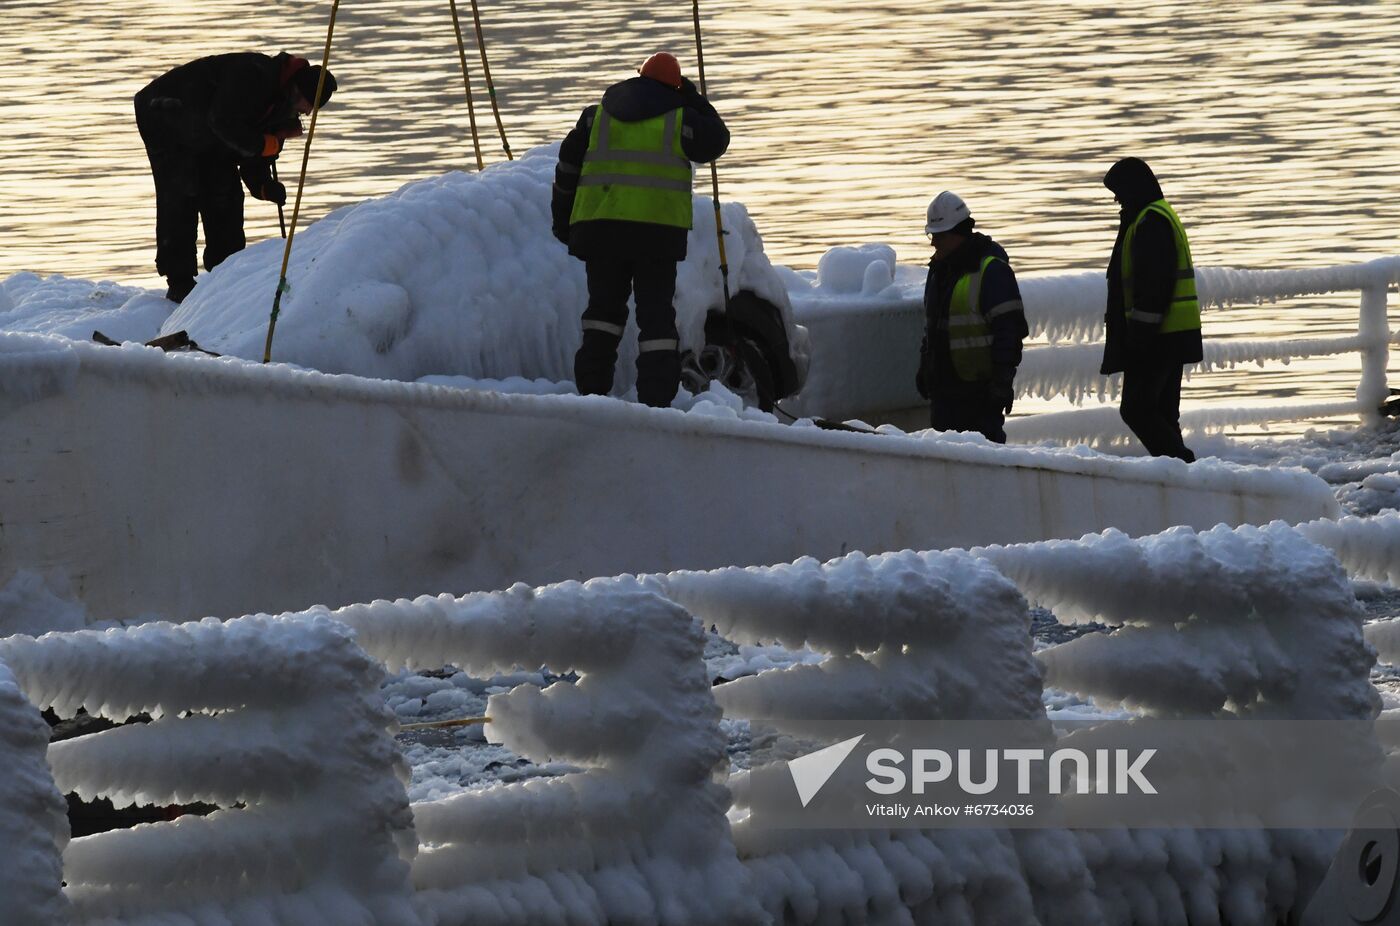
(179, 288)
(658, 377)
(594, 363)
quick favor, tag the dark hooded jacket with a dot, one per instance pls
(998, 288)
(704, 138)
(1135, 344)
(222, 105)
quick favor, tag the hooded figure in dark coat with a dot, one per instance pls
(205, 125)
(1149, 349)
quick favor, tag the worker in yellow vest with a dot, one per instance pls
(974, 324)
(1153, 321)
(622, 204)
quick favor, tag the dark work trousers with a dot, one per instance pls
(1151, 407)
(610, 282)
(192, 185)
(967, 408)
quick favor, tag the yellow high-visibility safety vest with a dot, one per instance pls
(969, 338)
(635, 171)
(1184, 313)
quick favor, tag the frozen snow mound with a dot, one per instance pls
(75, 308)
(453, 275)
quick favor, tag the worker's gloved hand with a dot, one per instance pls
(273, 192)
(561, 232)
(688, 88)
(277, 137)
(1003, 392)
(921, 378)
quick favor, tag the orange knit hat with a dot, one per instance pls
(662, 67)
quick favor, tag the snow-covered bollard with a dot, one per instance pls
(276, 720)
(867, 269)
(638, 833)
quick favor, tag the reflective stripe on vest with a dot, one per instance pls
(1184, 313)
(969, 338)
(635, 172)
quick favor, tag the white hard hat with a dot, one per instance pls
(946, 212)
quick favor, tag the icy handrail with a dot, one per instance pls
(1369, 548)
(905, 633)
(640, 724)
(1103, 426)
(909, 634)
(900, 631)
(1071, 307)
(1280, 612)
(865, 356)
(613, 634)
(1258, 620)
(1072, 370)
(279, 715)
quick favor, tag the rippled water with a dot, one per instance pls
(1271, 123)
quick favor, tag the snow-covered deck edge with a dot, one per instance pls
(180, 486)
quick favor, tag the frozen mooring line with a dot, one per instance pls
(278, 719)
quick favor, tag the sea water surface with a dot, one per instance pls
(1271, 124)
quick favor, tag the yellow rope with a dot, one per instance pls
(714, 171)
(466, 81)
(301, 182)
(431, 724)
(490, 87)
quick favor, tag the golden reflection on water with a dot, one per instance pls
(1271, 123)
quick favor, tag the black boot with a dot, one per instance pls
(595, 362)
(658, 377)
(179, 288)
